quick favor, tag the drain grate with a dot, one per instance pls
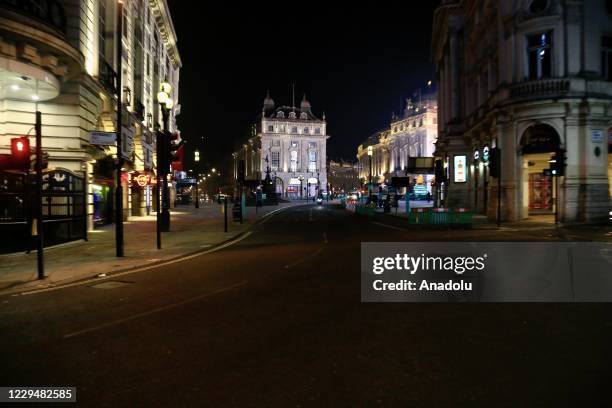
(110, 284)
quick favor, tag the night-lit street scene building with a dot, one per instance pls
(272, 205)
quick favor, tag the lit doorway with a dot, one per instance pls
(540, 195)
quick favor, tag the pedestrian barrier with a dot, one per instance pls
(440, 216)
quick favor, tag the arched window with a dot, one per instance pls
(292, 115)
(303, 115)
(280, 114)
(538, 6)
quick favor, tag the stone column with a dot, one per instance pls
(585, 185)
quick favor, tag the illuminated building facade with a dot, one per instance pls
(531, 78)
(60, 58)
(292, 143)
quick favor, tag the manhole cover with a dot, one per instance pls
(109, 284)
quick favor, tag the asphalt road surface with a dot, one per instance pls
(275, 319)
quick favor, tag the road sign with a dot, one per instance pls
(103, 138)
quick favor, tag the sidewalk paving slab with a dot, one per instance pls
(192, 230)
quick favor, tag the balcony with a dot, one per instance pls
(108, 77)
(49, 12)
(139, 110)
(543, 88)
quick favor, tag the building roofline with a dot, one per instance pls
(161, 11)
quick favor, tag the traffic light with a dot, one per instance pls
(557, 163)
(494, 162)
(439, 172)
(163, 155)
(20, 153)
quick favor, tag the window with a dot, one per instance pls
(294, 129)
(125, 24)
(275, 143)
(270, 128)
(306, 130)
(294, 144)
(303, 115)
(293, 161)
(275, 161)
(102, 29)
(312, 161)
(280, 114)
(281, 129)
(292, 115)
(538, 6)
(539, 50)
(312, 145)
(318, 131)
(606, 58)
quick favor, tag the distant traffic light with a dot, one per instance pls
(439, 172)
(558, 163)
(494, 162)
(20, 153)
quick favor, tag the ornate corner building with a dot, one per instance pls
(409, 135)
(532, 78)
(292, 143)
(59, 57)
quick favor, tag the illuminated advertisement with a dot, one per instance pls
(459, 169)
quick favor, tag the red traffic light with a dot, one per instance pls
(20, 151)
(20, 145)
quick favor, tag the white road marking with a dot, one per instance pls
(387, 226)
(156, 310)
(146, 268)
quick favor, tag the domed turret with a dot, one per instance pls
(305, 105)
(268, 102)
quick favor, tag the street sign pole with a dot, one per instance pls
(39, 223)
(225, 214)
(118, 187)
(499, 182)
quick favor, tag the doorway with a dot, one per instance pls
(540, 195)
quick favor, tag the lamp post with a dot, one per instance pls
(301, 186)
(196, 158)
(118, 186)
(370, 151)
(166, 103)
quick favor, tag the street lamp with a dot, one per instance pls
(118, 129)
(166, 103)
(196, 158)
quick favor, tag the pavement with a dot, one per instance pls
(192, 230)
(276, 319)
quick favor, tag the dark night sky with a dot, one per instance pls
(355, 63)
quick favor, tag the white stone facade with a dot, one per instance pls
(292, 142)
(413, 134)
(76, 49)
(529, 77)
